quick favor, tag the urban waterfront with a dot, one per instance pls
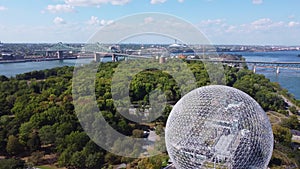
(287, 78)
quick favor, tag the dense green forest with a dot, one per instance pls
(38, 124)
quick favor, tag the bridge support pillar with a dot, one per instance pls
(97, 58)
(277, 70)
(113, 57)
(60, 55)
(162, 60)
(254, 68)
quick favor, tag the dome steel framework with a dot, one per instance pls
(218, 127)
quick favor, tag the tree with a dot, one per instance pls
(66, 127)
(150, 163)
(24, 131)
(95, 160)
(159, 129)
(124, 127)
(72, 142)
(144, 163)
(3, 78)
(12, 164)
(165, 114)
(262, 90)
(36, 157)
(137, 133)
(65, 156)
(47, 134)
(2, 141)
(111, 158)
(78, 160)
(292, 122)
(282, 134)
(91, 148)
(284, 112)
(13, 146)
(34, 142)
(293, 109)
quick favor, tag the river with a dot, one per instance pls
(289, 79)
(12, 69)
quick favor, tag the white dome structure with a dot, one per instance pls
(218, 127)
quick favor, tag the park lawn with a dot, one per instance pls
(44, 167)
(48, 167)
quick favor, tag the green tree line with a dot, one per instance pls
(37, 113)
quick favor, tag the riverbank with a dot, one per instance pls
(40, 59)
(287, 78)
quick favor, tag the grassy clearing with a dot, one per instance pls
(275, 117)
(44, 167)
(48, 167)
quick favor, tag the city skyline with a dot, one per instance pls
(251, 22)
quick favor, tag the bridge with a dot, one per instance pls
(276, 65)
(99, 51)
(237, 63)
(257, 64)
(59, 51)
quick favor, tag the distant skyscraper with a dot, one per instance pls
(218, 127)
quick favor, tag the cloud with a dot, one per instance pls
(265, 24)
(260, 31)
(95, 2)
(106, 22)
(157, 1)
(3, 8)
(219, 26)
(59, 21)
(257, 2)
(293, 24)
(210, 22)
(60, 8)
(262, 22)
(213, 26)
(95, 21)
(180, 1)
(148, 20)
(231, 28)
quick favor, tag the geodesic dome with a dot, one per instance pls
(218, 127)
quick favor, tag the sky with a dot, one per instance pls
(229, 22)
